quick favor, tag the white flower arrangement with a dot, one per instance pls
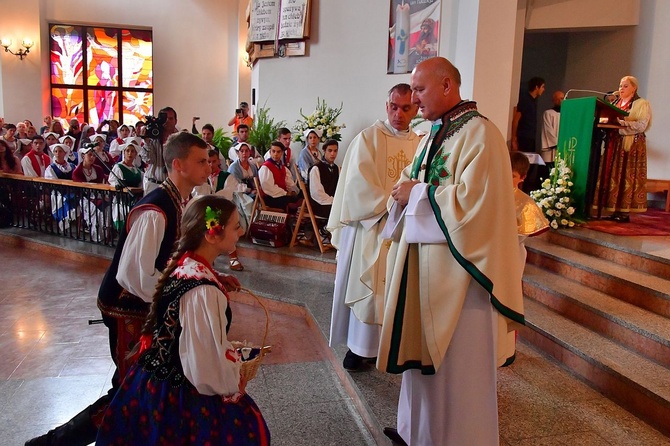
(323, 118)
(554, 197)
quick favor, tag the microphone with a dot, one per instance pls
(603, 93)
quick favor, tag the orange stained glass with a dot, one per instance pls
(103, 57)
(136, 105)
(66, 55)
(67, 103)
(102, 105)
(137, 54)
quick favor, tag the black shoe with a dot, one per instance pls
(79, 431)
(509, 361)
(621, 218)
(395, 437)
(352, 362)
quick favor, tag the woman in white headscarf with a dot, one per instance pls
(310, 155)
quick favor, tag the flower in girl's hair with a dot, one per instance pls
(212, 221)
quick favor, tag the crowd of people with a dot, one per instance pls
(426, 285)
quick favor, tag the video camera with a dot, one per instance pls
(154, 125)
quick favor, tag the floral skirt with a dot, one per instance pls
(146, 411)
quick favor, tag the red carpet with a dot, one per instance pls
(652, 222)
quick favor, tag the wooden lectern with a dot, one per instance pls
(587, 124)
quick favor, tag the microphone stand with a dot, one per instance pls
(121, 183)
(603, 93)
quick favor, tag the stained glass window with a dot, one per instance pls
(101, 73)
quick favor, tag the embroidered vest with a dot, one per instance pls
(132, 177)
(329, 177)
(278, 173)
(109, 295)
(220, 181)
(162, 358)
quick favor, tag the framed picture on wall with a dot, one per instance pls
(414, 31)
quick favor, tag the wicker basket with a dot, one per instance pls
(250, 367)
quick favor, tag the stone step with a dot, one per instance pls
(640, 330)
(624, 251)
(300, 256)
(639, 288)
(629, 379)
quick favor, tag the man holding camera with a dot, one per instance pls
(152, 152)
(241, 117)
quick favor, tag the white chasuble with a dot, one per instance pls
(372, 166)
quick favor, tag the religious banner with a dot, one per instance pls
(414, 28)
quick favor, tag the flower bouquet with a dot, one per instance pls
(554, 197)
(323, 118)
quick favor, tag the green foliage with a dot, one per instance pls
(222, 141)
(264, 130)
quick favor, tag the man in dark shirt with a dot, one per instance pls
(524, 124)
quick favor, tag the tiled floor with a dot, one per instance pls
(54, 364)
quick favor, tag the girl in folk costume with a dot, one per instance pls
(186, 387)
(50, 139)
(277, 183)
(73, 152)
(626, 190)
(310, 155)
(63, 205)
(60, 168)
(104, 159)
(8, 162)
(94, 208)
(115, 149)
(124, 174)
(139, 143)
(125, 169)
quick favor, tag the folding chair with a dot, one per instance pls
(306, 206)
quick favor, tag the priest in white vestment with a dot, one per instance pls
(452, 266)
(371, 167)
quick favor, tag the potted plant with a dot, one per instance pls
(264, 130)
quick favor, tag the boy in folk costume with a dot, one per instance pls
(530, 222)
(278, 186)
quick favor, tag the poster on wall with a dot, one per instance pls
(414, 31)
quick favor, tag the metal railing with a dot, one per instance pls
(82, 211)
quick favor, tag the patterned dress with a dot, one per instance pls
(626, 189)
(161, 400)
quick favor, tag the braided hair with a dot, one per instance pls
(193, 229)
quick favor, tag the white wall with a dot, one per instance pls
(651, 65)
(347, 62)
(195, 52)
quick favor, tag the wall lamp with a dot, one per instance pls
(21, 53)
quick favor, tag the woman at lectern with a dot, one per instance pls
(626, 191)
